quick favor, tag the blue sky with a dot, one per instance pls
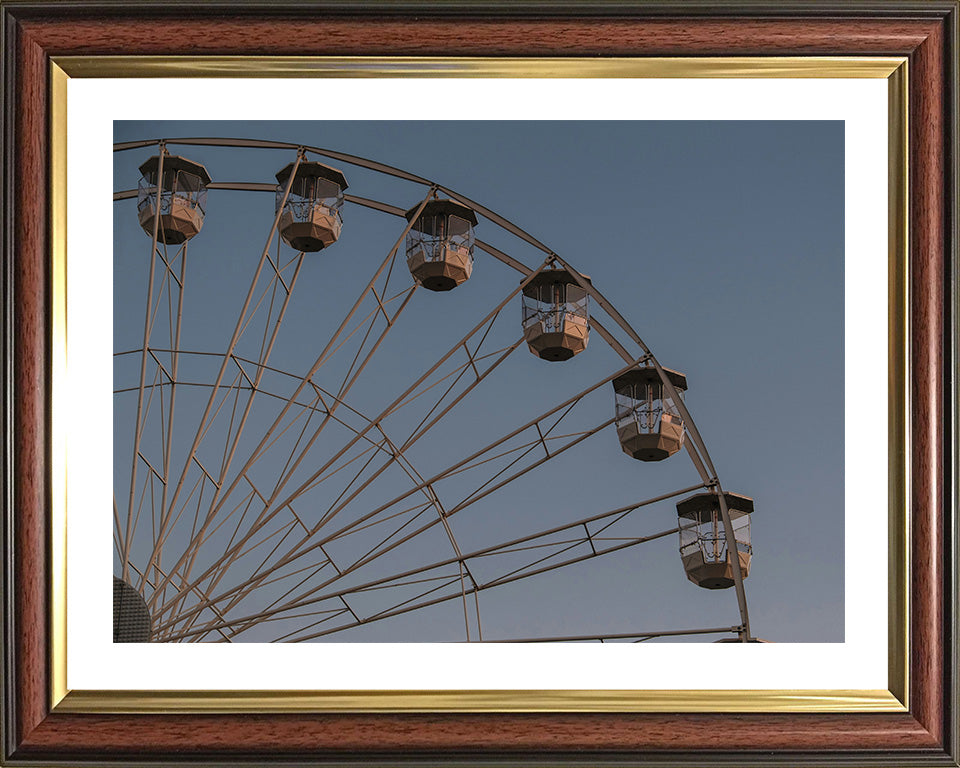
(721, 243)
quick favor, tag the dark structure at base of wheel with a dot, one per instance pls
(131, 617)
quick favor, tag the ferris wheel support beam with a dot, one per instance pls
(496, 583)
(223, 367)
(173, 376)
(508, 545)
(445, 473)
(400, 399)
(622, 636)
(307, 598)
(504, 548)
(330, 411)
(381, 549)
(397, 453)
(265, 352)
(321, 359)
(254, 390)
(128, 534)
(434, 498)
(220, 562)
(423, 427)
(145, 577)
(300, 549)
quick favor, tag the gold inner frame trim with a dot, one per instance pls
(893, 69)
(234, 702)
(427, 66)
(898, 414)
(58, 372)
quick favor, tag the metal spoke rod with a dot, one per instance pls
(128, 535)
(501, 548)
(230, 347)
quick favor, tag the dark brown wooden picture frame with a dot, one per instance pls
(926, 32)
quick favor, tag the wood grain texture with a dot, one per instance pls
(927, 355)
(528, 737)
(30, 367)
(318, 35)
(301, 735)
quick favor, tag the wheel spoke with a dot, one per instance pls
(287, 507)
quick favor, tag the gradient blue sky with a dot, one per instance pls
(720, 242)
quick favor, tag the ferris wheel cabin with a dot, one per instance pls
(555, 315)
(703, 541)
(310, 220)
(183, 197)
(649, 424)
(440, 244)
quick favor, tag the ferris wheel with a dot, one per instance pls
(293, 463)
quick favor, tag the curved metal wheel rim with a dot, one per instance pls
(697, 451)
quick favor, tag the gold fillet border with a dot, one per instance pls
(892, 69)
(373, 66)
(143, 702)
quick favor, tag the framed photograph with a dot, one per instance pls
(503, 328)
